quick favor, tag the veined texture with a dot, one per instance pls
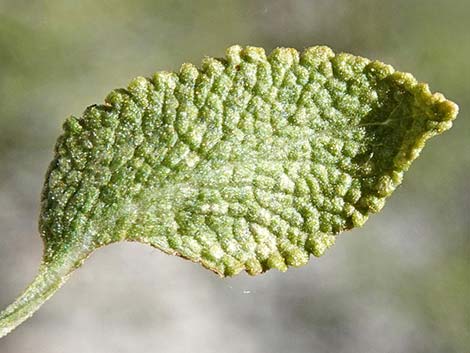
(251, 162)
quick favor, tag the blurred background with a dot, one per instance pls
(400, 284)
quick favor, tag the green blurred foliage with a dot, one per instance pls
(400, 284)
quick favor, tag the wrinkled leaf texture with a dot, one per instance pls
(251, 162)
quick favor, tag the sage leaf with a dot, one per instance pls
(251, 162)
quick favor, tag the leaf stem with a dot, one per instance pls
(51, 276)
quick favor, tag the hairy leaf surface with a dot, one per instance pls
(250, 163)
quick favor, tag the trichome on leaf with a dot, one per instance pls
(251, 162)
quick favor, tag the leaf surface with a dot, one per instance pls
(250, 163)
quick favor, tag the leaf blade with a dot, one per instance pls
(251, 163)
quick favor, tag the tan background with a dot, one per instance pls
(400, 284)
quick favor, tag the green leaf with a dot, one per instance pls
(250, 163)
